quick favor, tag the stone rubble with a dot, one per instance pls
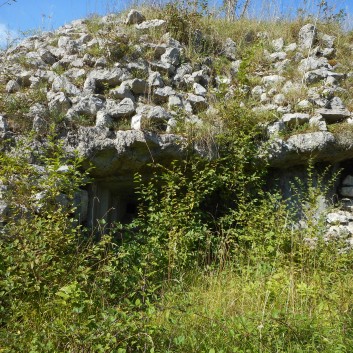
(113, 78)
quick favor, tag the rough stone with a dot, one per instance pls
(155, 79)
(298, 148)
(87, 106)
(275, 129)
(199, 89)
(312, 63)
(198, 103)
(3, 124)
(278, 44)
(139, 86)
(47, 57)
(315, 75)
(291, 120)
(230, 49)
(161, 95)
(304, 104)
(257, 91)
(134, 17)
(136, 122)
(328, 41)
(103, 119)
(333, 115)
(348, 180)
(162, 67)
(98, 79)
(340, 217)
(278, 56)
(307, 36)
(152, 24)
(58, 102)
(175, 102)
(279, 98)
(337, 104)
(110, 152)
(126, 108)
(171, 56)
(62, 84)
(101, 62)
(290, 47)
(318, 122)
(346, 191)
(121, 92)
(272, 80)
(39, 124)
(234, 67)
(12, 86)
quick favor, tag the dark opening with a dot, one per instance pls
(131, 208)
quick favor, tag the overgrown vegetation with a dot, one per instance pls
(213, 262)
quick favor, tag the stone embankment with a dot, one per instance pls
(123, 88)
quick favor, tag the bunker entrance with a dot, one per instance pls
(112, 202)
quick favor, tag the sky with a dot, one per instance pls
(27, 16)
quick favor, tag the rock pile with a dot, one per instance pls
(124, 86)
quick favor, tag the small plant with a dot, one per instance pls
(94, 25)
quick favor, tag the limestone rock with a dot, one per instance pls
(272, 80)
(58, 102)
(318, 122)
(230, 49)
(333, 115)
(315, 75)
(47, 57)
(155, 79)
(126, 108)
(3, 124)
(307, 36)
(152, 24)
(198, 103)
(121, 92)
(348, 180)
(139, 86)
(103, 119)
(12, 86)
(171, 56)
(346, 191)
(39, 124)
(62, 84)
(87, 106)
(328, 41)
(199, 89)
(278, 44)
(101, 78)
(278, 56)
(338, 218)
(161, 95)
(175, 102)
(111, 152)
(312, 63)
(291, 120)
(134, 17)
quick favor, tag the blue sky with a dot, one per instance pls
(25, 15)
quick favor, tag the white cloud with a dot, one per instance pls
(6, 35)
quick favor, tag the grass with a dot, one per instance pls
(259, 308)
(213, 263)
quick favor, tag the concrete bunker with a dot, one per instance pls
(111, 200)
